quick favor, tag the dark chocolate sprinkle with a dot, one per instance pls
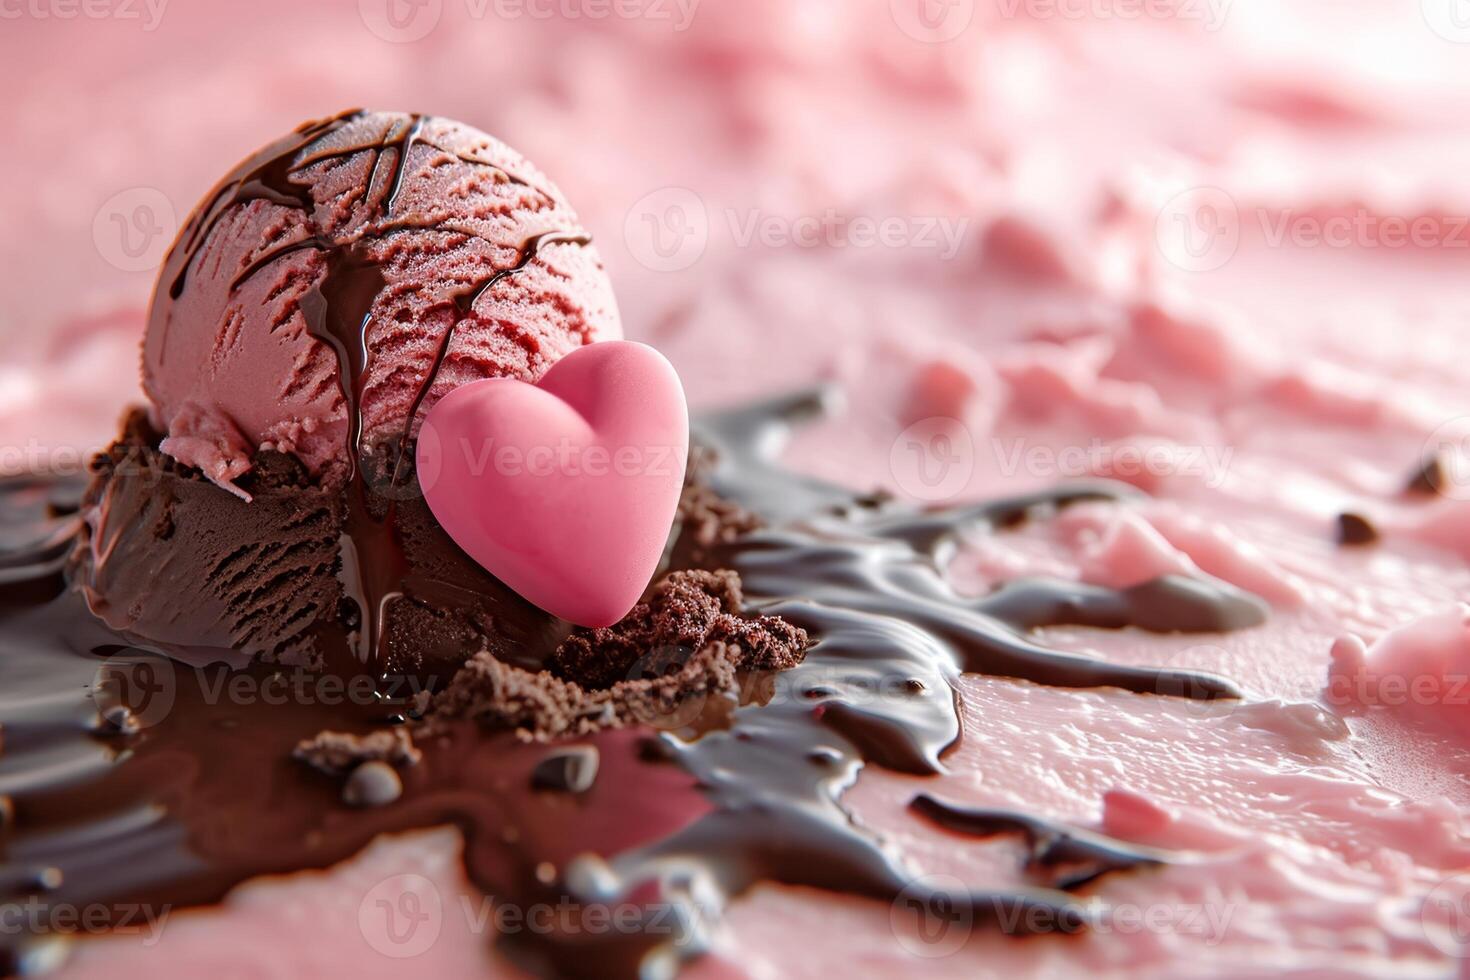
(1355, 529)
(1428, 478)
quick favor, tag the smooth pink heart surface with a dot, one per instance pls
(565, 490)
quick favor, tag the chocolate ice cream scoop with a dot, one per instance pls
(317, 303)
(338, 282)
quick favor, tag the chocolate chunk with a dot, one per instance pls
(692, 609)
(1355, 529)
(707, 519)
(660, 665)
(372, 784)
(1428, 478)
(7, 812)
(571, 770)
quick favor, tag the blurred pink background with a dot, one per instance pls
(702, 139)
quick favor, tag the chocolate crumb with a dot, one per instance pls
(274, 470)
(571, 770)
(373, 783)
(7, 812)
(661, 665)
(1355, 529)
(337, 752)
(1428, 478)
(708, 520)
(691, 610)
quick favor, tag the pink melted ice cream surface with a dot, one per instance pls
(1267, 382)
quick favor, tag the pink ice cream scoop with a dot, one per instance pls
(339, 281)
(317, 304)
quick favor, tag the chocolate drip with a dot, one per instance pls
(684, 814)
(1071, 857)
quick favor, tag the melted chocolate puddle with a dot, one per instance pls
(199, 793)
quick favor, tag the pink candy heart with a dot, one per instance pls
(565, 490)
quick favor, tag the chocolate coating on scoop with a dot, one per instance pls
(170, 560)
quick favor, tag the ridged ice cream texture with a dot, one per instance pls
(480, 269)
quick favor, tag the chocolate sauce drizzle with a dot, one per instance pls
(338, 312)
(682, 816)
(1071, 857)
